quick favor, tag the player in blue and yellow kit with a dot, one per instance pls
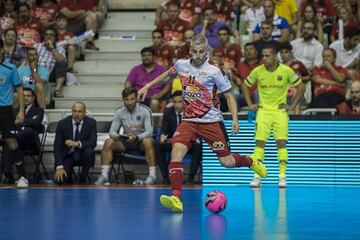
(273, 80)
(9, 80)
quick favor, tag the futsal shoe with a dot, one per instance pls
(102, 181)
(22, 183)
(255, 182)
(172, 202)
(258, 167)
(150, 180)
(282, 182)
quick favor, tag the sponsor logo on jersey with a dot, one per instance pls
(279, 78)
(218, 145)
(176, 134)
(203, 74)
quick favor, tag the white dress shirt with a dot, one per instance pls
(309, 53)
(345, 57)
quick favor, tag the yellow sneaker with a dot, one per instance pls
(258, 167)
(172, 202)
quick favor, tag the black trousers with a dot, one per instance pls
(28, 140)
(327, 100)
(163, 161)
(86, 161)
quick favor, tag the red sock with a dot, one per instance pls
(241, 161)
(176, 172)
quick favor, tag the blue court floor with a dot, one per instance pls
(299, 212)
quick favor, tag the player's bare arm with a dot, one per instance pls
(233, 109)
(246, 93)
(300, 89)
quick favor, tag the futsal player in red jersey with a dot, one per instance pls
(202, 118)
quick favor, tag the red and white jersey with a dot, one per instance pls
(199, 86)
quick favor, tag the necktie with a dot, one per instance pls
(179, 118)
(76, 138)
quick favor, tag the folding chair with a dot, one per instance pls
(38, 160)
(35, 155)
(122, 158)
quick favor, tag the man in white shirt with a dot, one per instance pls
(348, 51)
(307, 49)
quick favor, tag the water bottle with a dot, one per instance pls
(251, 116)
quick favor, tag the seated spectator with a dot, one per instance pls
(164, 53)
(307, 49)
(244, 5)
(325, 13)
(64, 34)
(344, 16)
(228, 52)
(355, 7)
(34, 76)
(144, 73)
(287, 9)
(137, 135)
(28, 29)
(171, 119)
(351, 106)
(14, 52)
(310, 16)
(8, 15)
(265, 38)
(189, 11)
(174, 27)
(253, 16)
(281, 32)
(210, 27)
(52, 57)
(74, 145)
(348, 52)
(27, 133)
(298, 67)
(46, 11)
(223, 10)
(244, 68)
(329, 82)
(184, 50)
(83, 15)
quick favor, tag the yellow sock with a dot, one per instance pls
(283, 158)
(259, 153)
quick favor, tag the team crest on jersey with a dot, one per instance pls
(279, 78)
(188, 4)
(218, 145)
(232, 53)
(2, 79)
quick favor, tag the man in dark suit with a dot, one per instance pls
(171, 119)
(74, 145)
(27, 135)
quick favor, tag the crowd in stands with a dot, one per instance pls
(41, 25)
(319, 39)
